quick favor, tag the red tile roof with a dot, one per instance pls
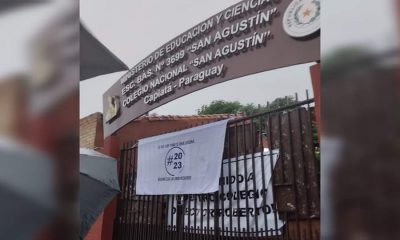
(172, 117)
(188, 117)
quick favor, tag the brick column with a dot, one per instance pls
(111, 148)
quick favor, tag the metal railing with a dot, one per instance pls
(269, 186)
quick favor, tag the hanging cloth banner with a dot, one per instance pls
(184, 162)
(245, 198)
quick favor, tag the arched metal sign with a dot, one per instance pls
(249, 37)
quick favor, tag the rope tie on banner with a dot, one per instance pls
(132, 147)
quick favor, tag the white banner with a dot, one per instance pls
(184, 162)
(234, 197)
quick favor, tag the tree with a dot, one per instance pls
(233, 107)
(249, 109)
(279, 103)
(220, 107)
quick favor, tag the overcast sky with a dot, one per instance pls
(134, 29)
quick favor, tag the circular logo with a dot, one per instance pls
(174, 161)
(302, 18)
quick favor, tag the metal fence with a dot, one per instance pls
(269, 186)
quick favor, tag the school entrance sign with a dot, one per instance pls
(249, 37)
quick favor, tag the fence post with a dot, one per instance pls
(180, 216)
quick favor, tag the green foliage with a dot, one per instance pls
(249, 109)
(233, 107)
(280, 102)
(220, 107)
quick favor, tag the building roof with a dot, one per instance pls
(172, 117)
(187, 117)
